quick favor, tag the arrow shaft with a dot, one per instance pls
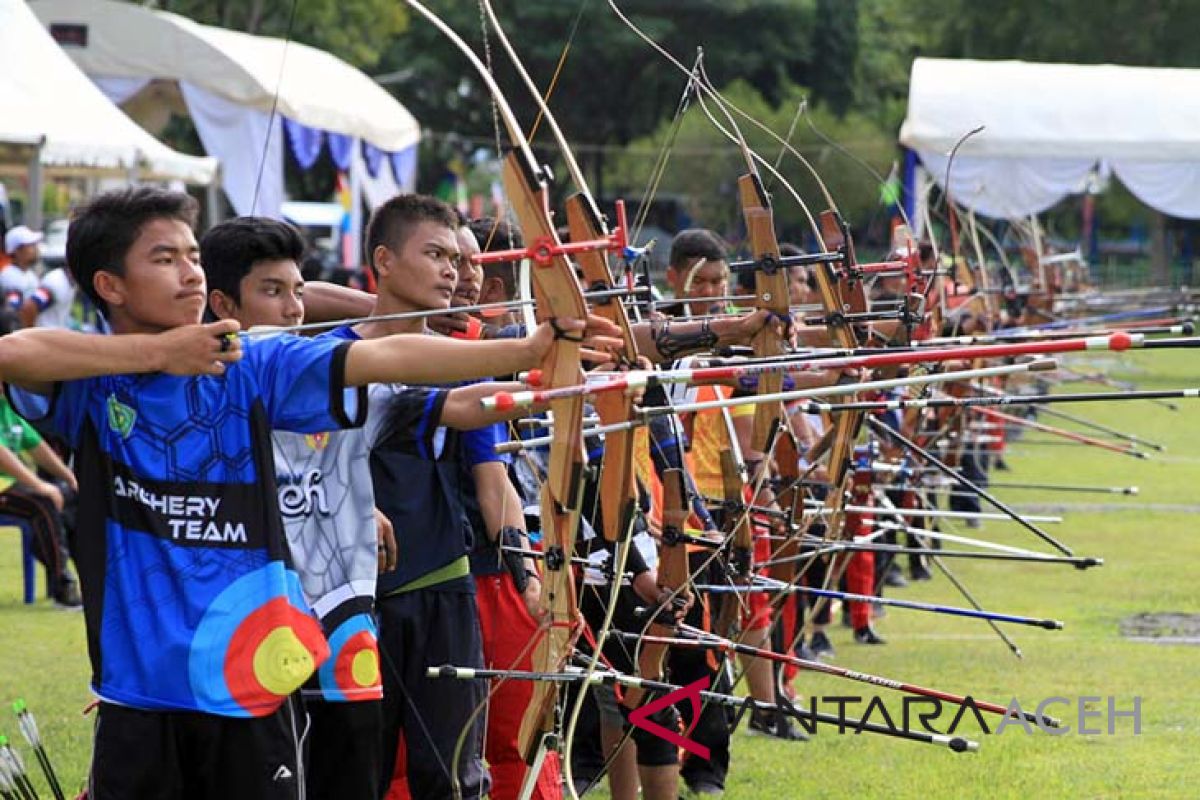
(1071, 436)
(956, 476)
(778, 587)
(955, 743)
(710, 642)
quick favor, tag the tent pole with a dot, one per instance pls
(37, 188)
(356, 205)
(212, 199)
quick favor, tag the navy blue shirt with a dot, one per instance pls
(420, 471)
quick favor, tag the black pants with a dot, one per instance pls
(417, 630)
(974, 467)
(47, 525)
(177, 755)
(686, 666)
(343, 750)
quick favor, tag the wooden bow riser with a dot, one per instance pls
(846, 425)
(771, 288)
(557, 294)
(739, 532)
(618, 489)
(790, 500)
(673, 576)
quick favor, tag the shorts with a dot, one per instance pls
(168, 754)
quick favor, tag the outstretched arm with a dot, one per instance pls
(330, 302)
(415, 358)
(38, 357)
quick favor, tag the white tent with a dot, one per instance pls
(1047, 127)
(231, 82)
(49, 107)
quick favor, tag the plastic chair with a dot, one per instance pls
(28, 562)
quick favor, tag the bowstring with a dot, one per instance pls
(664, 154)
(262, 161)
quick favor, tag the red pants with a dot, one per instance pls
(756, 615)
(860, 573)
(507, 630)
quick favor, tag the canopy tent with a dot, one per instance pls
(1047, 127)
(230, 83)
(54, 119)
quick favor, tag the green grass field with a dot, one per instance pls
(1151, 566)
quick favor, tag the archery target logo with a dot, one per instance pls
(352, 673)
(248, 653)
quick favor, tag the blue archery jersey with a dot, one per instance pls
(189, 597)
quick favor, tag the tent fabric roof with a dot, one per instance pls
(1053, 110)
(1047, 128)
(43, 94)
(311, 86)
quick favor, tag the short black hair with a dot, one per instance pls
(104, 229)
(392, 222)
(693, 243)
(230, 250)
(493, 235)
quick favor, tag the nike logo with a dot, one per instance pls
(282, 774)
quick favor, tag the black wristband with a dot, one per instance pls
(510, 539)
(674, 345)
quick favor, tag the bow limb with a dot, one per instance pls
(557, 295)
(771, 290)
(844, 427)
(617, 490)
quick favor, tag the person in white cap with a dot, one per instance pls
(19, 278)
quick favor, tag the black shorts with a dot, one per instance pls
(162, 755)
(343, 750)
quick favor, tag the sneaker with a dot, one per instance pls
(821, 646)
(917, 572)
(704, 789)
(777, 726)
(802, 650)
(867, 635)
(68, 595)
(894, 578)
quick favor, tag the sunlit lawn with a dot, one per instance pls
(1151, 565)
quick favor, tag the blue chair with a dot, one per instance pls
(28, 562)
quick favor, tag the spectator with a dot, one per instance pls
(57, 303)
(19, 278)
(39, 503)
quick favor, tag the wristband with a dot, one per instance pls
(674, 345)
(512, 537)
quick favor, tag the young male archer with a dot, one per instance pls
(198, 630)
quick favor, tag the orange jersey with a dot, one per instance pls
(710, 438)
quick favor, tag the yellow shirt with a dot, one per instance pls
(710, 438)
